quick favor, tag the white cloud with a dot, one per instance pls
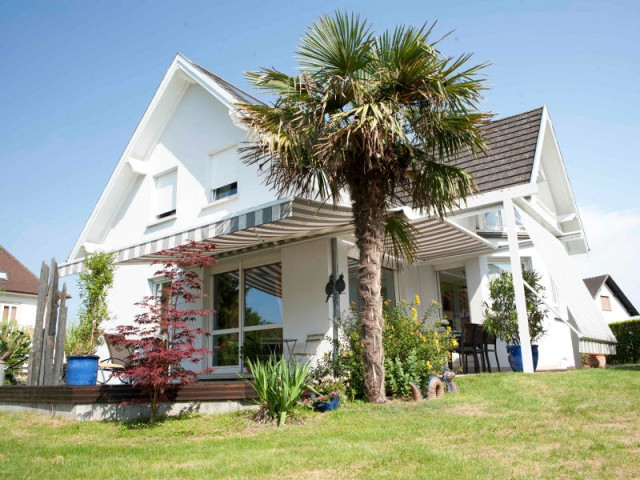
(614, 238)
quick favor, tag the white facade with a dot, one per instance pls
(612, 308)
(181, 177)
(19, 307)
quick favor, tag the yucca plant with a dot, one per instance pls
(278, 384)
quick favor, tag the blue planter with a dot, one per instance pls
(333, 404)
(82, 369)
(515, 357)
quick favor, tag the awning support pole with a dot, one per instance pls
(553, 310)
(518, 286)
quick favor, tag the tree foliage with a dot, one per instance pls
(500, 316)
(162, 339)
(14, 346)
(373, 118)
(84, 337)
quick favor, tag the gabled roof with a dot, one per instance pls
(181, 73)
(19, 278)
(594, 284)
(511, 149)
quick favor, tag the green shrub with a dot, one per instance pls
(628, 335)
(501, 317)
(414, 349)
(278, 384)
(14, 346)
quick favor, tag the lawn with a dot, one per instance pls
(579, 424)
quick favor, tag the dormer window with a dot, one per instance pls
(224, 191)
(165, 194)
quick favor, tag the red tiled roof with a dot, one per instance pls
(19, 278)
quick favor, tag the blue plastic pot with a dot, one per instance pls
(515, 357)
(82, 369)
(332, 404)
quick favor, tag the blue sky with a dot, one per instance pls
(77, 77)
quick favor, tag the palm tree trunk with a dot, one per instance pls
(368, 206)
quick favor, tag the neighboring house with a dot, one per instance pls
(18, 291)
(181, 177)
(608, 297)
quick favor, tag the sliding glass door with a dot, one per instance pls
(247, 316)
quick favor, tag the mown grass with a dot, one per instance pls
(572, 425)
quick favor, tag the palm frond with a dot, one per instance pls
(399, 240)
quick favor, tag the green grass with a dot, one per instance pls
(580, 424)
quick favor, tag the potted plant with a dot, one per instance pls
(501, 318)
(83, 338)
(14, 349)
(326, 393)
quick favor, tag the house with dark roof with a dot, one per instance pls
(18, 291)
(610, 299)
(181, 178)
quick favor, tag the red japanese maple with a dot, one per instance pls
(162, 339)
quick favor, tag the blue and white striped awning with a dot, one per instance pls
(290, 219)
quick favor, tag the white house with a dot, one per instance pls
(181, 177)
(610, 299)
(18, 291)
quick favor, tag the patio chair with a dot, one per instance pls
(118, 361)
(490, 341)
(471, 344)
(308, 353)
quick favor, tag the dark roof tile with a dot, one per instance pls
(19, 278)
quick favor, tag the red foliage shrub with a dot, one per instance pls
(162, 338)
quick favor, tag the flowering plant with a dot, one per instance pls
(327, 387)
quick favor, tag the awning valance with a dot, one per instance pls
(295, 218)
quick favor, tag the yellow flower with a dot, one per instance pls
(423, 339)
(416, 300)
(415, 314)
(386, 303)
(437, 342)
(454, 342)
(429, 365)
(403, 301)
(448, 329)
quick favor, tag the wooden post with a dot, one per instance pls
(35, 354)
(46, 374)
(60, 337)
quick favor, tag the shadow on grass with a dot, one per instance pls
(635, 368)
(148, 423)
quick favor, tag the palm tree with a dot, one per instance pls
(375, 118)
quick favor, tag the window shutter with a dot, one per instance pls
(166, 193)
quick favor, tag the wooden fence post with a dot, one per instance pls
(35, 354)
(46, 374)
(60, 337)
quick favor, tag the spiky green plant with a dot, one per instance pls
(278, 384)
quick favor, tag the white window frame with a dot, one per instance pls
(15, 307)
(240, 266)
(161, 213)
(219, 176)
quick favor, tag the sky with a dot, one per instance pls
(77, 76)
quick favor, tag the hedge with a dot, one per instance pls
(628, 335)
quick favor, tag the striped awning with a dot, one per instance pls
(595, 334)
(290, 219)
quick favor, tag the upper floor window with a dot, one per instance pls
(223, 173)
(606, 303)
(225, 191)
(4, 276)
(165, 194)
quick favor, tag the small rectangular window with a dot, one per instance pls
(606, 303)
(225, 191)
(10, 312)
(165, 195)
(4, 276)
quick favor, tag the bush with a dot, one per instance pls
(414, 349)
(628, 335)
(14, 346)
(501, 317)
(278, 385)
